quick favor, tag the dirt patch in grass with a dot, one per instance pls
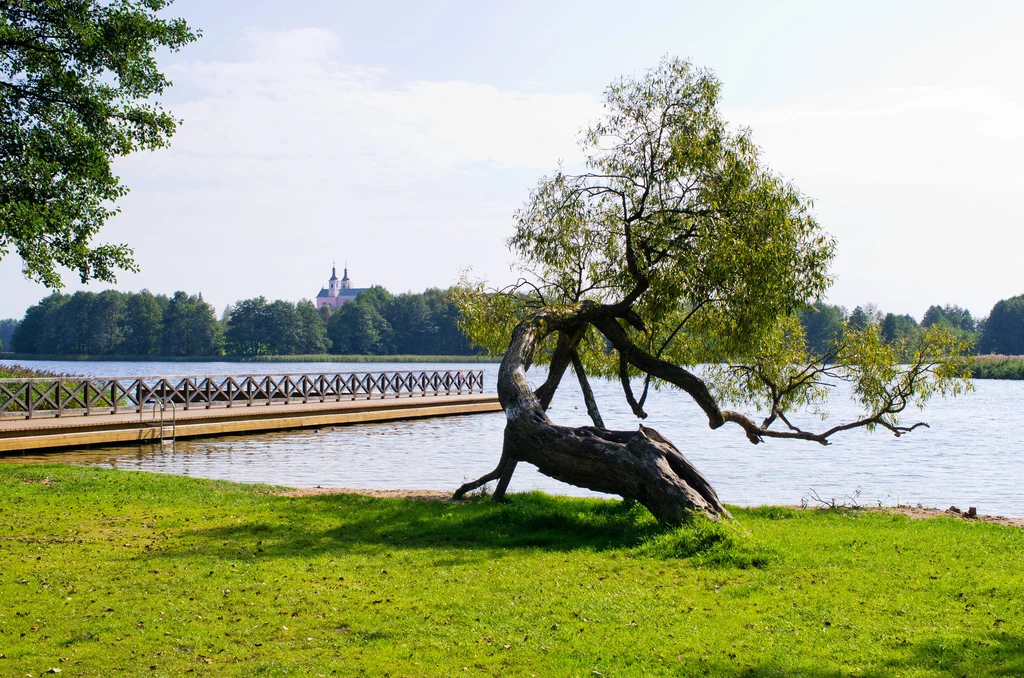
(920, 513)
(951, 512)
(432, 495)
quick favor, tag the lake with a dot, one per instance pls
(971, 456)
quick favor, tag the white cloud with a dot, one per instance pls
(920, 135)
(295, 158)
(291, 111)
(270, 48)
(919, 185)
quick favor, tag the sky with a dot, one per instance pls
(398, 138)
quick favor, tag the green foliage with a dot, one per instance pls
(957, 319)
(887, 377)
(140, 324)
(998, 367)
(864, 316)
(672, 197)
(1004, 329)
(82, 323)
(255, 327)
(310, 330)
(78, 87)
(777, 379)
(34, 334)
(486, 318)
(379, 323)
(898, 328)
(211, 578)
(20, 372)
(675, 197)
(245, 331)
(282, 327)
(326, 312)
(359, 327)
(190, 327)
(104, 334)
(950, 315)
(7, 327)
(822, 325)
(699, 253)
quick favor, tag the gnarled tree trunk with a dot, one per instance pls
(639, 465)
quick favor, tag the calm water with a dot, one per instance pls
(971, 456)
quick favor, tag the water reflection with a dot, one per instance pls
(970, 456)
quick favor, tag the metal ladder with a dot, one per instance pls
(162, 403)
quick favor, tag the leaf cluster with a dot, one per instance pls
(679, 246)
(77, 81)
(885, 377)
(676, 213)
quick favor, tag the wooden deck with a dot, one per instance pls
(17, 435)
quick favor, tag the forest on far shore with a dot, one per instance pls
(112, 323)
(1001, 333)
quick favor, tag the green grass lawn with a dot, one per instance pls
(108, 572)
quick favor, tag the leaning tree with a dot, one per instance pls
(677, 247)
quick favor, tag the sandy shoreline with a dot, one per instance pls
(922, 513)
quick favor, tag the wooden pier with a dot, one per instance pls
(72, 412)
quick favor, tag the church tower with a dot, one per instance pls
(338, 291)
(334, 285)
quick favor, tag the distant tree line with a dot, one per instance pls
(7, 326)
(1001, 333)
(380, 323)
(143, 324)
(376, 322)
(255, 327)
(119, 323)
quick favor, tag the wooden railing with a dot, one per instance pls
(61, 396)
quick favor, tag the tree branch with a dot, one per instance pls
(588, 393)
(562, 357)
(682, 378)
(627, 388)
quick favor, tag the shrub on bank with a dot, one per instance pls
(998, 367)
(19, 372)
